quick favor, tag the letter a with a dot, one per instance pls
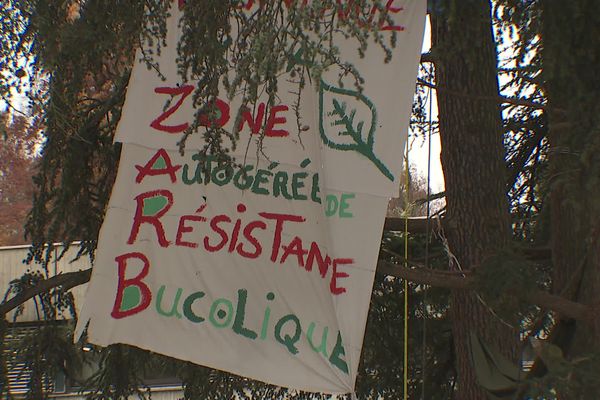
(124, 299)
(159, 164)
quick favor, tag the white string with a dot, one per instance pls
(453, 260)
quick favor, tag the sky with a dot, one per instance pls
(418, 153)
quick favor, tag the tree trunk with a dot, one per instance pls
(477, 219)
(571, 55)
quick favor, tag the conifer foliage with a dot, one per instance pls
(17, 161)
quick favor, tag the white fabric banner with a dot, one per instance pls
(263, 268)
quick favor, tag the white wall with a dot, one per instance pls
(157, 394)
(12, 267)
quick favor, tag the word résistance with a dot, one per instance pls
(238, 236)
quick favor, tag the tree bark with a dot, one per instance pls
(571, 54)
(477, 218)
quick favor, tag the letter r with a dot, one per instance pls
(151, 206)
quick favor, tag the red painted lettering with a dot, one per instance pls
(253, 122)
(234, 235)
(214, 224)
(335, 275)
(248, 235)
(323, 263)
(221, 110)
(151, 206)
(390, 9)
(247, 5)
(123, 283)
(182, 228)
(274, 120)
(294, 248)
(343, 11)
(159, 164)
(184, 91)
(241, 208)
(368, 20)
(281, 219)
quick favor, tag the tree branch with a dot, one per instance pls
(427, 57)
(421, 275)
(415, 224)
(425, 276)
(67, 280)
(514, 101)
(524, 155)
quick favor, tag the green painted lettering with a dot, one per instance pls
(298, 183)
(280, 185)
(240, 313)
(260, 178)
(197, 175)
(206, 167)
(337, 353)
(243, 173)
(173, 311)
(323, 346)
(344, 205)
(305, 163)
(265, 324)
(222, 174)
(218, 317)
(159, 163)
(153, 205)
(187, 307)
(288, 341)
(331, 205)
(131, 298)
(314, 193)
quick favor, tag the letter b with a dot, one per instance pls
(130, 301)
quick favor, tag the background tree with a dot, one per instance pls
(18, 143)
(477, 218)
(572, 182)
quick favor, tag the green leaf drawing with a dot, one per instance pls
(348, 121)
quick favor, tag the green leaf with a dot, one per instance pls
(348, 122)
